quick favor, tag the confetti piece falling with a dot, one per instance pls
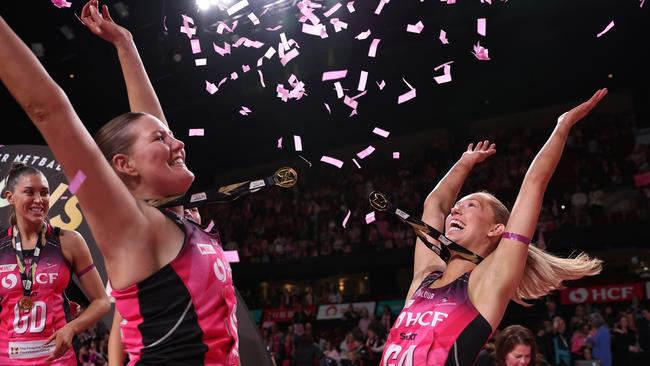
(280, 143)
(380, 132)
(363, 78)
(222, 51)
(415, 28)
(347, 217)
(396, 155)
(334, 75)
(306, 161)
(196, 46)
(245, 68)
(210, 226)
(329, 160)
(372, 52)
(261, 78)
(232, 256)
(297, 141)
(381, 85)
(196, 132)
(480, 26)
(327, 106)
(234, 76)
(443, 37)
(380, 7)
(237, 7)
(351, 9)
(272, 29)
(408, 95)
(314, 30)
(446, 73)
(609, 26)
(366, 152)
(223, 26)
(363, 35)
(77, 181)
(370, 218)
(332, 10)
(289, 56)
(61, 4)
(201, 61)
(480, 52)
(339, 90)
(210, 87)
(245, 111)
(253, 18)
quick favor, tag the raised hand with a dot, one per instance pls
(571, 117)
(482, 151)
(102, 24)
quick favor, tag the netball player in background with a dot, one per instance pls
(37, 261)
(171, 281)
(453, 308)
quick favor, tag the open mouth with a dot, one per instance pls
(456, 225)
(179, 161)
(36, 210)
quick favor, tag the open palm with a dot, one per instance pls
(482, 151)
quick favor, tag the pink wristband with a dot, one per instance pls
(517, 237)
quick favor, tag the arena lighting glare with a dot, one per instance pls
(207, 4)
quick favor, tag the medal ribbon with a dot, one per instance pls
(27, 280)
(379, 202)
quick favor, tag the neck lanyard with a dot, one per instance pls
(380, 202)
(25, 303)
(284, 177)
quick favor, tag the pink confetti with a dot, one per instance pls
(77, 181)
(289, 56)
(334, 75)
(201, 61)
(210, 226)
(480, 52)
(189, 31)
(285, 43)
(373, 47)
(223, 26)
(359, 95)
(380, 132)
(350, 102)
(396, 155)
(356, 163)
(406, 96)
(347, 217)
(350, 7)
(244, 111)
(297, 141)
(641, 5)
(165, 23)
(280, 143)
(339, 90)
(261, 78)
(332, 10)
(222, 51)
(486, 1)
(480, 26)
(237, 7)
(366, 152)
(363, 78)
(338, 24)
(415, 28)
(196, 132)
(234, 76)
(327, 106)
(61, 4)
(232, 256)
(274, 28)
(381, 85)
(253, 18)
(370, 218)
(446, 73)
(329, 160)
(196, 46)
(443, 37)
(380, 7)
(210, 87)
(245, 68)
(314, 30)
(609, 26)
(248, 43)
(363, 35)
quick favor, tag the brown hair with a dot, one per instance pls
(545, 272)
(116, 137)
(17, 170)
(509, 338)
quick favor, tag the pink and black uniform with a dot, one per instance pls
(184, 314)
(23, 333)
(437, 327)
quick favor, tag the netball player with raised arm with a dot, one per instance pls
(452, 308)
(37, 261)
(171, 282)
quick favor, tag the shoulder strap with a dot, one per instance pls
(429, 279)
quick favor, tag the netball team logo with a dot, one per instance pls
(10, 281)
(578, 295)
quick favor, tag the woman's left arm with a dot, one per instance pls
(77, 253)
(500, 273)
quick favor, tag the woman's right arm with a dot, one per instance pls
(50, 110)
(438, 205)
(116, 354)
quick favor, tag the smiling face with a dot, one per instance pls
(156, 159)
(519, 356)
(473, 225)
(30, 198)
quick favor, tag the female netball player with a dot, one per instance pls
(37, 261)
(452, 309)
(172, 284)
